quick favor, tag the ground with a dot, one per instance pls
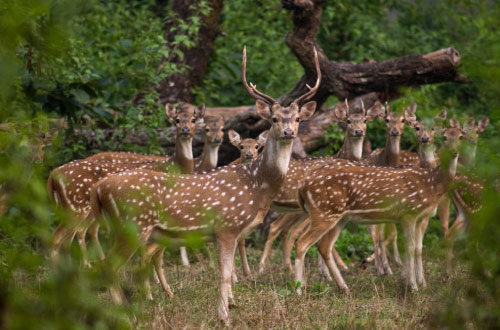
(269, 301)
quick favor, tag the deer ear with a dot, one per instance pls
(234, 138)
(340, 113)
(170, 111)
(442, 115)
(482, 124)
(262, 138)
(307, 110)
(409, 114)
(454, 123)
(199, 111)
(374, 111)
(263, 110)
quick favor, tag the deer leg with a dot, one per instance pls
(338, 259)
(372, 229)
(457, 227)
(383, 253)
(394, 241)
(158, 263)
(306, 240)
(325, 247)
(94, 236)
(234, 276)
(184, 256)
(226, 246)
(419, 237)
(287, 245)
(80, 236)
(150, 250)
(323, 268)
(274, 230)
(334, 234)
(59, 238)
(408, 225)
(444, 216)
(243, 257)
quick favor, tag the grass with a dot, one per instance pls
(269, 300)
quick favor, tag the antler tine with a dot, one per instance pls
(252, 89)
(312, 91)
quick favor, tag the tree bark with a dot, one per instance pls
(177, 87)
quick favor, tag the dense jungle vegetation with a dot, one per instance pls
(99, 63)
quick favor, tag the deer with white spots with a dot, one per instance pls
(185, 122)
(230, 201)
(249, 150)
(335, 194)
(292, 224)
(69, 185)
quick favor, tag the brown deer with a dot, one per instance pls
(69, 185)
(249, 148)
(231, 201)
(185, 122)
(337, 193)
(291, 224)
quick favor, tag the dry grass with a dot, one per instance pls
(268, 301)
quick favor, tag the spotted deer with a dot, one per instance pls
(185, 122)
(69, 185)
(230, 201)
(291, 224)
(249, 148)
(335, 194)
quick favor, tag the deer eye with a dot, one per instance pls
(297, 119)
(275, 120)
(364, 121)
(461, 137)
(417, 128)
(348, 121)
(193, 120)
(177, 121)
(387, 120)
(402, 120)
(242, 147)
(445, 137)
(256, 146)
(206, 130)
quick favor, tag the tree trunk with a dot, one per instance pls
(177, 87)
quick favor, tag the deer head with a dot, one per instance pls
(213, 131)
(185, 120)
(468, 154)
(355, 122)
(249, 148)
(395, 122)
(284, 119)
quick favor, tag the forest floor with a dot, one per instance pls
(269, 300)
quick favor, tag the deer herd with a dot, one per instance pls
(171, 198)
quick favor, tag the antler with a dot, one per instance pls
(307, 96)
(252, 89)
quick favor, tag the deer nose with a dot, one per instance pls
(249, 155)
(288, 132)
(185, 130)
(394, 132)
(358, 132)
(217, 140)
(424, 139)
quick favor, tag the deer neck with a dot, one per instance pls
(427, 156)
(270, 168)
(443, 176)
(183, 155)
(352, 149)
(209, 156)
(390, 155)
